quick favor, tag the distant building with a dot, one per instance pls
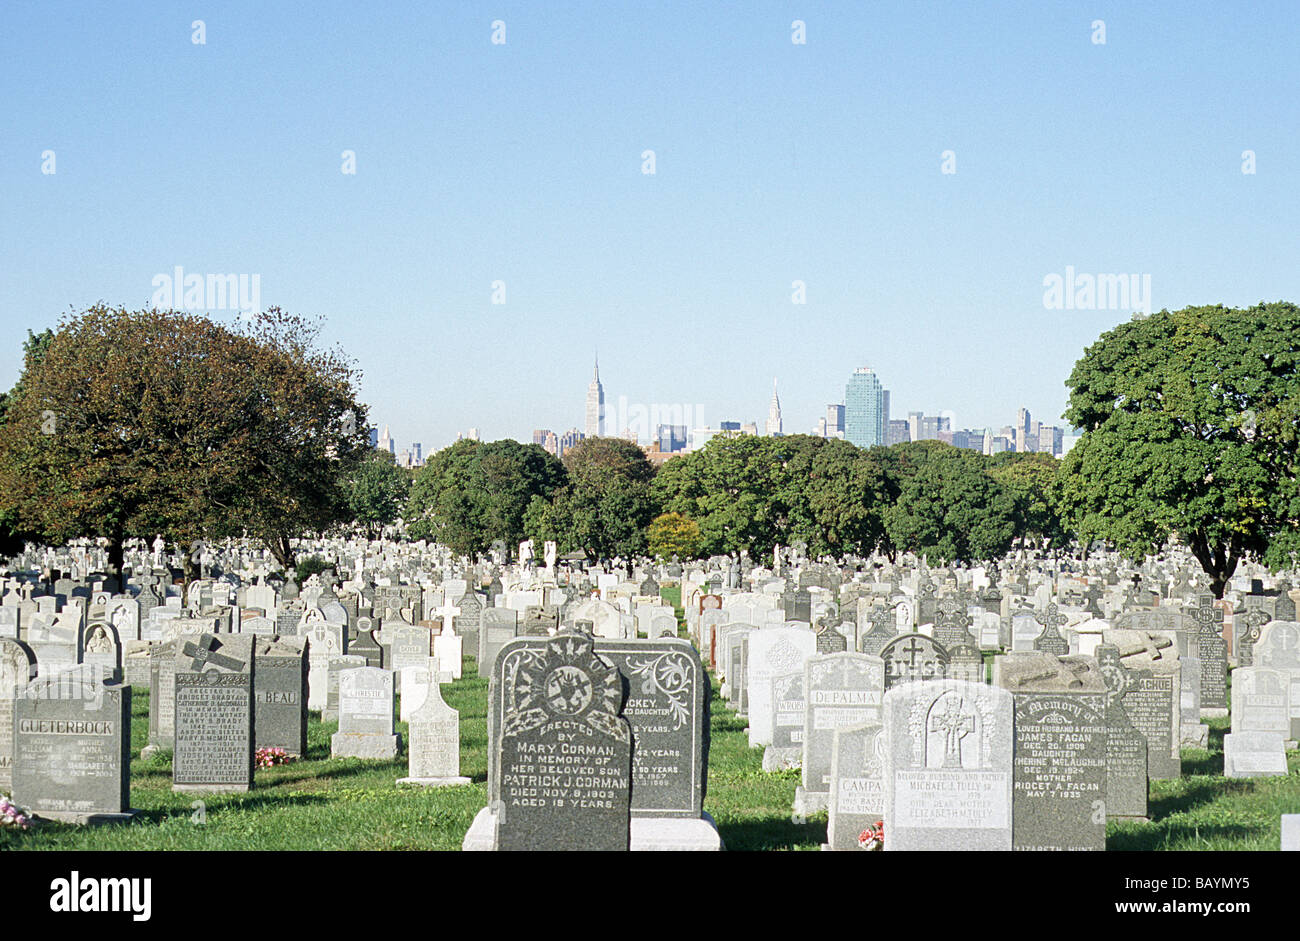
(656, 455)
(898, 432)
(773, 426)
(866, 409)
(540, 435)
(832, 426)
(570, 439)
(970, 440)
(386, 443)
(671, 438)
(551, 444)
(374, 436)
(595, 405)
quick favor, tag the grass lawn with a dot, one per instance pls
(353, 804)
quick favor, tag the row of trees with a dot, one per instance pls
(1191, 422)
(605, 498)
(131, 424)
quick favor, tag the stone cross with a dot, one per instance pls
(955, 726)
(203, 654)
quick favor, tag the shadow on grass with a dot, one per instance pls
(1194, 795)
(773, 833)
(334, 770)
(216, 803)
(1203, 763)
(1188, 834)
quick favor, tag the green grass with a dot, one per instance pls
(321, 804)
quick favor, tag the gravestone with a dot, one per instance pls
(911, 658)
(434, 744)
(280, 694)
(1151, 700)
(773, 652)
(17, 669)
(1059, 798)
(336, 666)
(469, 622)
(213, 713)
(366, 703)
(1261, 721)
(952, 623)
(1247, 629)
(884, 628)
(843, 689)
(788, 706)
(948, 766)
(72, 749)
(410, 647)
(1050, 640)
(564, 750)
(1208, 618)
(1279, 649)
(857, 784)
(497, 628)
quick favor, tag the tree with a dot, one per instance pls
(471, 494)
(1189, 423)
(672, 534)
(605, 505)
(1031, 480)
(730, 488)
(947, 507)
(138, 423)
(378, 491)
(12, 534)
(834, 495)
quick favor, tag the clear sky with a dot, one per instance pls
(775, 162)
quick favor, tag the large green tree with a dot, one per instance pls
(473, 493)
(946, 505)
(134, 423)
(377, 491)
(606, 504)
(1031, 479)
(1189, 423)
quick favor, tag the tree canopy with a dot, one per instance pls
(135, 423)
(473, 493)
(377, 491)
(604, 506)
(1190, 426)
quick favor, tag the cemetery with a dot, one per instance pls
(404, 697)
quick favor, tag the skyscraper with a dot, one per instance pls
(866, 409)
(595, 405)
(773, 427)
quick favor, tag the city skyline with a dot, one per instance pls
(918, 425)
(471, 219)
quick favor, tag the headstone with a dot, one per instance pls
(17, 669)
(1214, 656)
(1279, 649)
(213, 713)
(857, 785)
(366, 704)
(564, 751)
(773, 652)
(280, 694)
(911, 658)
(434, 749)
(497, 628)
(1151, 701)
(72, 749)
(948, 766)
(1059, 800)
(844, 689)
(1261, 722)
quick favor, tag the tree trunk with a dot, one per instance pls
(1218, 562)
(189, 568)
(282, 551)
(117, 559)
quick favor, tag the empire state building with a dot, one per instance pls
(595, 405)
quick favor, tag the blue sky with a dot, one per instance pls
(775, 162)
